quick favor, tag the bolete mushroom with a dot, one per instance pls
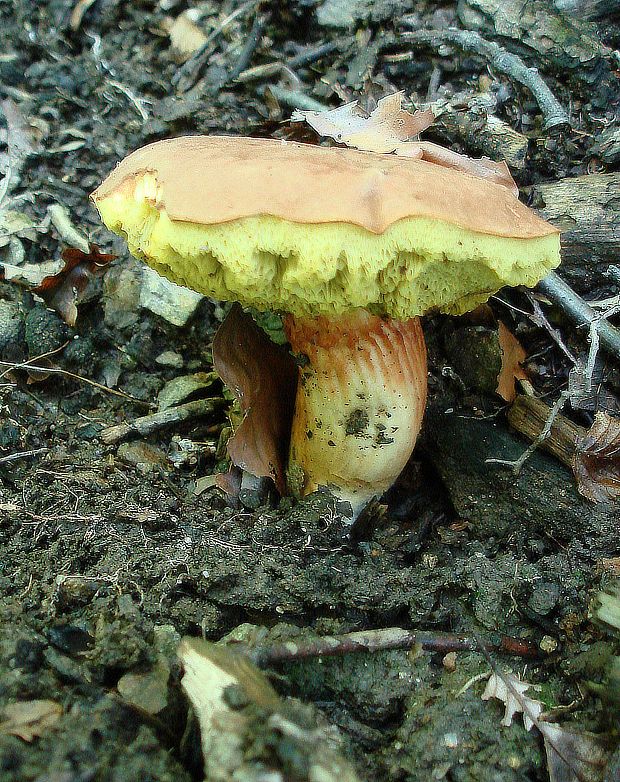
(352, 246)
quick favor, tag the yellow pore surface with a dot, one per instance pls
(415, 265)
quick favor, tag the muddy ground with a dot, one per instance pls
(110, 553)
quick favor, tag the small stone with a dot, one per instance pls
(181, 388)
(11, 332)
(44, 331)
(148, 691)
(548, 644)
(170, 359)
(449, 662)
(162, 297)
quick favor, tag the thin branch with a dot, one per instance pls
(58, 371)
(580, 312)
(251, 44)
(517, 464)
(13, 457)
(386, 639)
(150, 423)
(505, 62)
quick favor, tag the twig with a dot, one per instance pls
(505, 62)
(530, 416)
(295, 99)
(580, 312)
(187, 75)
(12, 457)
(517, 464)
(268, 69)
(151, 423)
(313, 55)
(256, 33)
(385, 639)
(58, 371)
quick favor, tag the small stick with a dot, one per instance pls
(187, 75)
(58, 371)
(256, 33)
(12, 457)
(386, 639)
(505, 62)
(541, 437)
(151, 423)
(580, 312)
(295, 99)
(312, 55)
(530, 416)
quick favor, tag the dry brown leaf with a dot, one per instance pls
(571, 757)
(263, 378)
(29, 719)
(64, 291)
(513, 356)
(382, 131)
(389, 128)
(596, 462)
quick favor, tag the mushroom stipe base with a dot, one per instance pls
(359, 405)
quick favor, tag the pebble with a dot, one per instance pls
(171, 302)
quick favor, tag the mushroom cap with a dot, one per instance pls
(313, 230)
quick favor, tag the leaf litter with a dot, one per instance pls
(571, 756)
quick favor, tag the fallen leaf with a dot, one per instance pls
(388, 129)
(511, 692)
(571, 756)
(485, 168)
(513, 356)
(596, 462)
(263, 378)
(64, 291)
(382, 131)
(30, 719)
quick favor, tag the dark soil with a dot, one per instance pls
(109, 553)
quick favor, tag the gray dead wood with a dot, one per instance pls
(503, 61)
(546, 37)
(151, 423)
(587, 210)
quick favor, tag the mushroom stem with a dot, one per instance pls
(359, 405)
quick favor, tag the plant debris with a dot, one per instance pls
(263, 377)
(513, 356)
(596, 462)
(29, 719)
(571, 756)
(64, 290)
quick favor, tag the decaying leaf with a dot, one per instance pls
(29, 719)
(263, 378)
(64, 291)
(246, 730)
(513, 356)
(382, 131)
(511, 692)
(389, 128)
(596, 462)
(571, 756)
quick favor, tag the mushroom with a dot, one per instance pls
(353, 247)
